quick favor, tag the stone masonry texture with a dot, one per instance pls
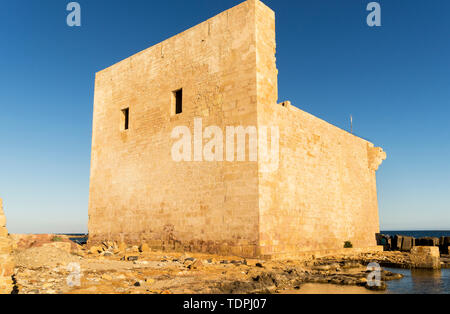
(323, 193)
(6, 260)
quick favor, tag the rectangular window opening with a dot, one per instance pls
(125, 119)
(178, 101)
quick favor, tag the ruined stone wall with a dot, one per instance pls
(6, 260)
(137, 192)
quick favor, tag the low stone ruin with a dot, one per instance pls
(425, 257)
(406, 244)
(6, 260)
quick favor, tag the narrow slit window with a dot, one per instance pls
(178, 101)
(125, 119)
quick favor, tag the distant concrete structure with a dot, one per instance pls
(425, 257)
(321, 194)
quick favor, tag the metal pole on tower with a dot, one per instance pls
(351, 124)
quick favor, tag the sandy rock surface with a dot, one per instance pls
(45, 256)
(55, 267)
(114, 268)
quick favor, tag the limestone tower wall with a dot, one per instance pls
(323, 191)
(137, 192)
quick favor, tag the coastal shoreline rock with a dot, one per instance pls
(123, 269)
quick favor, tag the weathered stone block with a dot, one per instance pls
(379, 238)
(427, 241)
(445, 241)
(435, 241)
(425, 257)
(407, 244)
(397, 243)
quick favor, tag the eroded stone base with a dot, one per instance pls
(323, 253)
(238, 248)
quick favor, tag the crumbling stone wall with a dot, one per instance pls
(6, 260)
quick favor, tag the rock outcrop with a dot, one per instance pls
(6, 260)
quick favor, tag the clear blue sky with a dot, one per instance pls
(395, 80)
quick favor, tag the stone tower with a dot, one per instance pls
(223, 72)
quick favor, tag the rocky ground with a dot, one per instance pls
(62, 267)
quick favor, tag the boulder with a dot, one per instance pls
(132, 258)
(426, 257)
(379, 287)
(144, 248)
(197, 264)
(109, 246)
(95, 249)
